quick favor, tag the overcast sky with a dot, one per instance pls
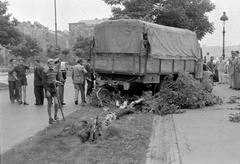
(71, 11)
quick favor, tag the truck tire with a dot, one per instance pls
(159, 86)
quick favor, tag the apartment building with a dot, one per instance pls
(83, 28)
(43, 35)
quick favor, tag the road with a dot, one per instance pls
(199, 136)
(19, 122)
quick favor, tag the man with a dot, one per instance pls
(62, 79)
(231, 69)
(78, 72)
(21, 73)
(236, 64)
(12, 81)
(220, 67)
(49, 78)
(38, 87)
(89, 78)
(211, 68)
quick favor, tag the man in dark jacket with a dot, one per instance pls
(38, 87)
(12, 80)
(89, 77)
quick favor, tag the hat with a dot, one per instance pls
(50, 60)
(56, 60)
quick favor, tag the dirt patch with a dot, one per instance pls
(125, 141)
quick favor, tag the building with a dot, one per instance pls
(43, 35)
(62, 39)
(83, 28)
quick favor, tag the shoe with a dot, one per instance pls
(12, 101)
(51, 121)
(19, 102)
(56, 118)
(230, 87)
(63, 103)
(83, 104)
(25, 103)
(76, 102)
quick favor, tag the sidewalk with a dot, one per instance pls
(200, 136)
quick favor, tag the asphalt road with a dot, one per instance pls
(18, 122)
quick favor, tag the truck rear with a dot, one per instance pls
(131, 52)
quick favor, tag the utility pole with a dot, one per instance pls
(55, 9)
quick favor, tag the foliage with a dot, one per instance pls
(184, 92)
(9, 35)
(82, 46)
(28, 47)
(188, 14)
(53, 52)
(79, 53)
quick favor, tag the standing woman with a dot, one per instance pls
(236, 64)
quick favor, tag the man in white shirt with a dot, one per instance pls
(220, 67)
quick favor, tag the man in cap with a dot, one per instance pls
(62, 79)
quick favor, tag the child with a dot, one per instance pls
(49, 77)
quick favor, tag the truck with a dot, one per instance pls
(133, 52)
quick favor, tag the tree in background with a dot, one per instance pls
(53, 52)
(27, 48)
(82, 47)
(188, 14)
(79, 53)
(9, 35)
(65, 52)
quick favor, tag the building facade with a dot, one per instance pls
(83, 28)
(43, 35)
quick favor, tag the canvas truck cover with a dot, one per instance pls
(125, 36)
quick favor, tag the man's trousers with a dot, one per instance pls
(39, 95)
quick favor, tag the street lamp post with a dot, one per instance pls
(55, 10)
(224, 18)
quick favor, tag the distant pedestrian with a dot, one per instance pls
(211, 68)
(62, 79)
(38, 87)
(21, 72)
(49, 77)
(236, 64)
(12, 81)
(231, 69)
(220, 67)
(78, 73)
(89, 78)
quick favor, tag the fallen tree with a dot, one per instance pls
(184, 92)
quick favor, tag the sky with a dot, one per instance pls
(71, 11)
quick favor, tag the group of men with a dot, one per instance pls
(231, 67)
(51, 80)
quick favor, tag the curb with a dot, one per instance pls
(3, 88)
(163, 147)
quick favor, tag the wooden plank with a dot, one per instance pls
(178, 65)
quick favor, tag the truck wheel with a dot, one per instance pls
(159, 86)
